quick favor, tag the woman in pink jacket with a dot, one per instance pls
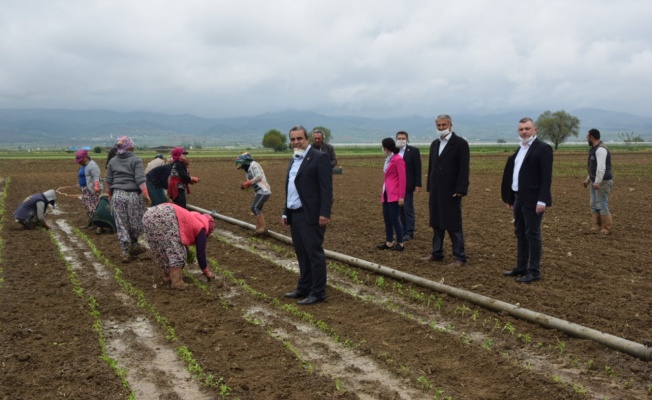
(170, 230)
(393, 196)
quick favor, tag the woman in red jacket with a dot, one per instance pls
(393, 195)
(170, 230)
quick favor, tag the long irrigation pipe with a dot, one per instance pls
(617, 343)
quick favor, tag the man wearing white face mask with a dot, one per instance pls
(412, 159)
(309, 198)
(448, 182)
(526, 190)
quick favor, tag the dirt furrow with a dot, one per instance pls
(152, 367)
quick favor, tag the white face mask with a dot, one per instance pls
(401, 143)
(445, 132)
(528, 140)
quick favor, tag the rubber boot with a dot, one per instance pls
(607, 224)
(176, 279)
(135, 250)
(125, 258)
(261, 227)
(595, 227)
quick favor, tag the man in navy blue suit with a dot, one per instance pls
(412, 159)
(526, 190)
(309, 197)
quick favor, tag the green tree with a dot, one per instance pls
(97, 149)
(274, 139)
(327, 133)
(557, 127)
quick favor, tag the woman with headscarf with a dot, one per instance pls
(90, 183)
(170, 230)
(125, 183)
(393, 195)
(31, 212)
(180, 180)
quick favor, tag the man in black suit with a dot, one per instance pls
(526, 190)
(412, 159)
(309, 197)
(448, 182)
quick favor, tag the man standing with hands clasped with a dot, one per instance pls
(447, 183)
(309, 197)
(526, 190)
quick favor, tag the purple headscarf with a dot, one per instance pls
(124, 143)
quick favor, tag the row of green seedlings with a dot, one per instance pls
(292, 310)
(192, 365)
(319, 324)
(97, 321)
(3, 198)
(437, 303)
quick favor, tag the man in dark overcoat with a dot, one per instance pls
(447, 183)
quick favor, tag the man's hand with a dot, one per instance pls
(284, 221)
(586, 182)
(147, 201)
(194, 179)
(596, 185)
(417, 189)
(540, 209)
(246, 184)
(401, 202)
(323, 221)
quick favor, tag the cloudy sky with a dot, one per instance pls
(374, 58)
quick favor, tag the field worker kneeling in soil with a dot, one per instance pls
(170, 230)
(31, 212)
(256, 179)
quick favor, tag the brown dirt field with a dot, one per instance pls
(49, 349)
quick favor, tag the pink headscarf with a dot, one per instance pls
(124, 143)
(177, 152)
(80, 156)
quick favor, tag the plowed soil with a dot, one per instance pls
(374, 338)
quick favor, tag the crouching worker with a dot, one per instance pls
(170, 230)
(31, 212)
(256, 179)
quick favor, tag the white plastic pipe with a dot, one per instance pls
(617, 343)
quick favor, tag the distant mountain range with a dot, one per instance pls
(64, 128)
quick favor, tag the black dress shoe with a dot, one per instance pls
(383, 246)
(397, 247)
(514, 272)
(431, 258)
(311, 300)
(295, 295)
(529, 278)
(407, 237)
